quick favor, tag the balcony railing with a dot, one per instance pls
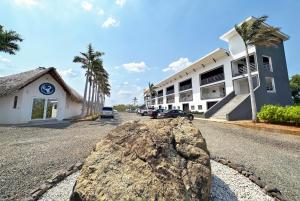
(170, 92)
(186, 96)
(212, 79)
(212, 96)
(185, 87)
(241, 70)
(171, 99)
(160, 100)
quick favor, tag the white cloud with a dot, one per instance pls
(178, 65)
(125, 83)
(4, 60)
(110, 22)
(137, 79)
(120, 2)
(100, 12)
(68, 73)
(135, 67)
(86, 5)
(28, 3)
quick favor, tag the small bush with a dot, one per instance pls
(280, 115)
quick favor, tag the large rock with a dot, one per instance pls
(147, 160)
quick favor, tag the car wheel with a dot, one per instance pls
(190, 117)
(144, 114)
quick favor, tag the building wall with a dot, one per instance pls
(22, 114)
(72, 108)
(282, 96)
(7, 113)
(226, 62)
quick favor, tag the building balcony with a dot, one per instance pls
(213, 91)
(170, 98)
(242, 69)
(160, 100)
(212, 79)
(186, 96)
(185, 85)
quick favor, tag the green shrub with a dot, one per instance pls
(280, 115)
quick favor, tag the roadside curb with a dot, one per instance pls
(266, 188)
(57, 177)
(256, 126)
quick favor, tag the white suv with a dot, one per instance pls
(107, 112)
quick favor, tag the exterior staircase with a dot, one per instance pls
(228, 107)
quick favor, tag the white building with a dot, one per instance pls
(39, 94)
(217, 84)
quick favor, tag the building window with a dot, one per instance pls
(15, 102)
(199, 107)
(267, 63)
(178, 107)
(192, 107)
(270, 85)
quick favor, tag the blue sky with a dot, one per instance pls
(143, 40)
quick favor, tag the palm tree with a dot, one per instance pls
(256, 32)
(8, 41)
(151, 90)
(87, 60)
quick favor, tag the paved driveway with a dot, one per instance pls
(30, 155)
(272, 156)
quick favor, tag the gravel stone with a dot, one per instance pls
(227, 185)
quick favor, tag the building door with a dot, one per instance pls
(210, 104)
(169, 107)
(44, 109)
(185, 107)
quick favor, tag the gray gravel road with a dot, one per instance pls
(272, 156)
(31, 155)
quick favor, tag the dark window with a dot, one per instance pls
(107, 108)
(160, 93)
(15, 102)
(170, 90)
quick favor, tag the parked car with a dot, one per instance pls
(107, 112)
(145, 111)
(157, 113)
(177, 113)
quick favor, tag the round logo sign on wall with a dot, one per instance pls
(47, 88)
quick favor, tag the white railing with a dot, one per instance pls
(241, 70)
(212, 79)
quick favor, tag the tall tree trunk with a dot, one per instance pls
(84, 95)
(93, 95)
(251, 91)
(98, 101)
(89, 97)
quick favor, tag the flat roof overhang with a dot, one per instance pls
(212, 57)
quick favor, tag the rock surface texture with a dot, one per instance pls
(147, 160)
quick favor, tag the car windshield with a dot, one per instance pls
(107, 108)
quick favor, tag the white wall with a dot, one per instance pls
(7, 113)
(72, 108)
